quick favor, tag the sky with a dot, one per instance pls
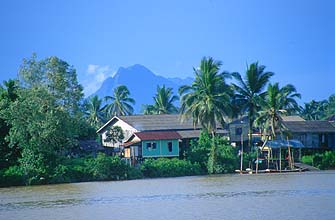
(295, 39)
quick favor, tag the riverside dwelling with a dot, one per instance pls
(152, 136)
(312, 134)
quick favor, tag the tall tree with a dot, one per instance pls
(278, 102)
(250, 89)
(42, 128)
(314, 110)
(8, 154)
(56, 76)
(121, 102)
(207, 100)
(94, 112)
(164, 100)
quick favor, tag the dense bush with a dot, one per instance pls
(323, 161)
(12, 176)
(226, 156)
(164, 167)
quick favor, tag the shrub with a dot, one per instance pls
(105, 167)
(164, 167)
(308, 159)
(12, 176)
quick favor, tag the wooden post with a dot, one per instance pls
(257, 161)
(280, 159)
(289, 154)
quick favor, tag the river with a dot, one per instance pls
(308, 195)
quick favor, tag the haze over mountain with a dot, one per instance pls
(141, 82)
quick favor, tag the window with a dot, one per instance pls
(169, 144)
(154, 145)
(151, 145)
(238, 131)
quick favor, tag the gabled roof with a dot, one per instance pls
(153, 122)
(158, 135)
(158, 122)
(309, 126)
(292, 118)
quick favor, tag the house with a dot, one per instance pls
(312, 134)
(153, 135)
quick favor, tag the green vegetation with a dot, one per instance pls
(164, 100)
(207, 101)
(43, 117)
(226, 156)
(164, 167)
(322, 161)
(250, 90)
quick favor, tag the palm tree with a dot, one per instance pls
(164, 99)
(148, 109)
(95, 112)
(249, 89)
(121, 102)
(207, 100)
(278, 102)
(314, 110)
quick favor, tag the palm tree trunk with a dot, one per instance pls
(251, 121)
(212, 156)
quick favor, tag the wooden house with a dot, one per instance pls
(153, 135)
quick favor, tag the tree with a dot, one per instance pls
(114, 135)
(42, 129)
(94, 112)
(56, 76)
(207, 100)
(278, 102)
(164, 99)
(251, 89)
(121, 102)
(8, 94)
(314, 110)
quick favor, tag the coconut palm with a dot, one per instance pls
(314, 110)
(121, 102)
(278, 102)
(94, 112)
(250, 89)
(164, 99)
(207, 100)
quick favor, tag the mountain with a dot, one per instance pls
(142, 84)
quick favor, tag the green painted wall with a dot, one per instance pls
(161, 149)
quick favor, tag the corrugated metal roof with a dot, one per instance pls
(309, 126)
(196, 133)
(292, 118)
(158, 135)
(158, 122)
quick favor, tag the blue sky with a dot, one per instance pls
(293, 38)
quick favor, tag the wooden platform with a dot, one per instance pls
(305, 166)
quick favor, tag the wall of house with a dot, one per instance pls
(314, 140)
(236, 130)
(127, 132)
(161, 149)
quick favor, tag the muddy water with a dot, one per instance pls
(309, 195)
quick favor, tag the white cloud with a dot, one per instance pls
(95, 76)
(91, 69)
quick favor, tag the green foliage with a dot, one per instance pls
(323, 161)
(164, 100)
(164, 167)
(122, 103)
(94, 112)
(105, 167)
(308, 159)
(114, 135)
(12, 176)
(226, 159)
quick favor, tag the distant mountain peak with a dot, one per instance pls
(141, 82)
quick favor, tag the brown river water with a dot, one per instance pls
(308, 195)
